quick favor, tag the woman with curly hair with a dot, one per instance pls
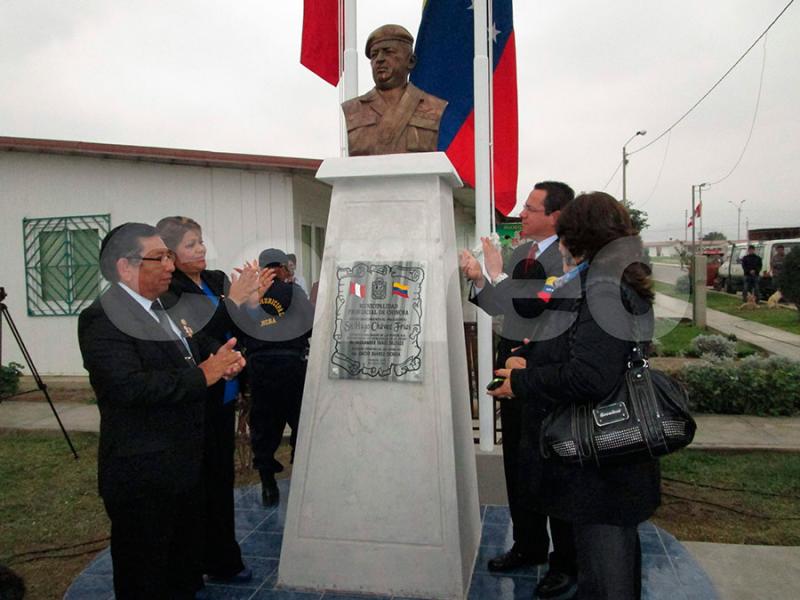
(610, 310)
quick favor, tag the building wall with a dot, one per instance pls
(311, 207)
(241, 211)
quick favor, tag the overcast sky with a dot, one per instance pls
(214, 75)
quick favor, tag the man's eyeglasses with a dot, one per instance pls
(167, 257)
(533, 210)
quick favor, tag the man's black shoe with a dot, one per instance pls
(513, 559)
(557, 586)
(270, 496)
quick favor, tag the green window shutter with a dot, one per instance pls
(85, 247)
(62, 256)
(53, 265)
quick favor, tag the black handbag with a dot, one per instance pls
(645, 417)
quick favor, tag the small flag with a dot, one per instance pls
(698, 209)
(549, 288)
(356, 289)
(398, 289)
(691, 222)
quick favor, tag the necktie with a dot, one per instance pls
(531, 258)
(166, 325)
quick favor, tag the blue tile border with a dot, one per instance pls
(669, 572)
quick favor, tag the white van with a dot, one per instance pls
(731, 277)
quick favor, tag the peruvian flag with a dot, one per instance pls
(356, 289)
(698, 210)
(320, 50)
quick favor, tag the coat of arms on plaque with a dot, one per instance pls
(379, 289)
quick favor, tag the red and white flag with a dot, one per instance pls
(320, 48)
(691, 222)
(356, 289)
(698, 209)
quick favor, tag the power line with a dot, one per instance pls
(660, 170)
(713, 87)
(612, 176)
(753, 122)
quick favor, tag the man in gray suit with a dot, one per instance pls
(511, 290)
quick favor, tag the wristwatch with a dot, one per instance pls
(499, 278)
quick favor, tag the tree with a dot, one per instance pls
(788, 282)
(639, 217)
(714, 235)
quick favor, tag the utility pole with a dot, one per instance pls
(698, 274)
(625, 164)
(685, 227)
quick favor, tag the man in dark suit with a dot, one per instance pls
(150, 379)
(511, 290)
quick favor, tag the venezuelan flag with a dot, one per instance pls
(399, 289)
(445, 50)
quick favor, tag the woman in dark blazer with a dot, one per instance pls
(611, 309)
(209, 298)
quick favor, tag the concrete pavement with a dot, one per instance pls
(749, 572)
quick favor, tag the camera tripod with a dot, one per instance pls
(40, 385)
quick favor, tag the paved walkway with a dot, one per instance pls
(714, 432)
(771, 339)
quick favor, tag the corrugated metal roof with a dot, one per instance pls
(159, 155)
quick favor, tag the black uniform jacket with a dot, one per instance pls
(585, 362)
(151, 398)
(283, 320)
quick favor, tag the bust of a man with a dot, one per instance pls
(395, 116)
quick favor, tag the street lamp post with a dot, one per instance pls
(625, 163)
(738, 208)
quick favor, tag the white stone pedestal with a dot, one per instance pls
(384, 493)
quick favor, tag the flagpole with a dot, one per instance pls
(349, 86)
(482, 74)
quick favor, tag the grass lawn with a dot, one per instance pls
(679, 336)
(49, 500)
(780, 318)
(698, 504)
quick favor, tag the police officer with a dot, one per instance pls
(277, 353)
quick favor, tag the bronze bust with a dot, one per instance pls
(395, 116)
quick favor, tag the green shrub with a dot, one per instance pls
(683, 285)
(712, 347)
(9, 378)
(753, 386)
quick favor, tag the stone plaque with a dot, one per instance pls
(377, 333)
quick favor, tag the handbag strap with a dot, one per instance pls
(637, 358)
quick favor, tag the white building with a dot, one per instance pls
(59, 198)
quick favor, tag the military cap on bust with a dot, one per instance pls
(386, 33)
